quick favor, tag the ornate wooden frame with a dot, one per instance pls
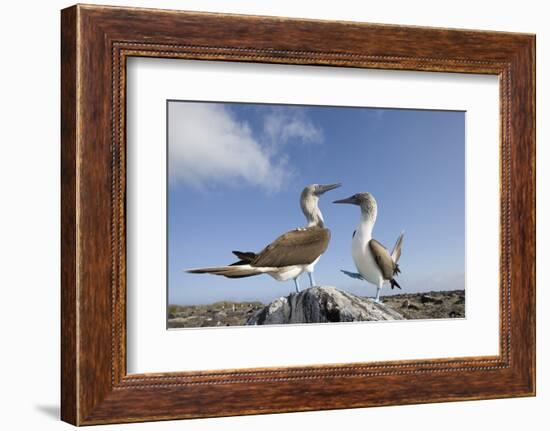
(95, 43)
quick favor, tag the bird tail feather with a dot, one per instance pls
(229, 271)
(396, 252)
(394, 283)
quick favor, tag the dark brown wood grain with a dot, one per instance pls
(68, 216)
(95, 42)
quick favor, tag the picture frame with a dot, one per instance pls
(96, 42)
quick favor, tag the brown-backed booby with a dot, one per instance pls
(291, 254)
(374, 263)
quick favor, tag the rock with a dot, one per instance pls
(178, 321)
(406, 304)
(322, 304)
(426, 299)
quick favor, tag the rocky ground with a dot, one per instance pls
(223, 313)
(427, 305)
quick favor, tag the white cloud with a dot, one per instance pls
(283, 124)
(207, 145)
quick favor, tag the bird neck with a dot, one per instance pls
(366, 224)
(311, 210)
(315, 219)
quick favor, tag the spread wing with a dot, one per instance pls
(396, 252)
(296, 247)
(383, 259)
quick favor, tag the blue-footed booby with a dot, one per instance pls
(373, 261)
(291, 254)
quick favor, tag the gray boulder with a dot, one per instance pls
(321, 304)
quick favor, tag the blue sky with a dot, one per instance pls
(236, 172)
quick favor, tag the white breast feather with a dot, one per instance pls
(364, 260)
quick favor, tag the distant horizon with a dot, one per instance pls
(385, 292)
(235, 173)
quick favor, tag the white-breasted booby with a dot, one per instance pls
(291, 254)
(373, 261)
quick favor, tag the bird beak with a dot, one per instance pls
(322, 188)
(351, 200)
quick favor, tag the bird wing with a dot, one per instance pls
(396, 252)
(383, 259)
(295, 247)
